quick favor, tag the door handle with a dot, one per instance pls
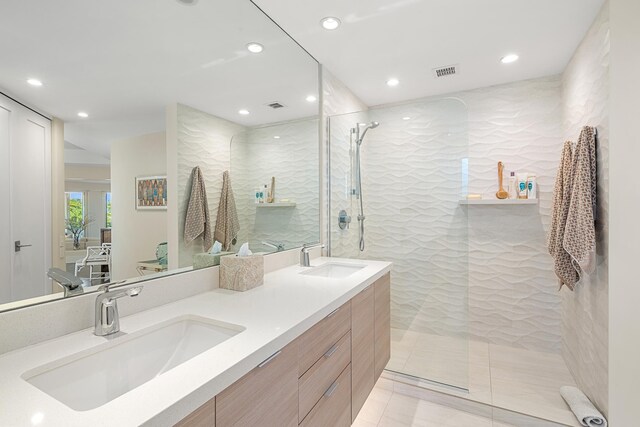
(17, 246)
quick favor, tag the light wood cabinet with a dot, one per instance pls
(322, 374)
(322, 336)
(267, 396)
(362, 352)
(382, 324)
(322, 378)
(204, 416)
(334, 408)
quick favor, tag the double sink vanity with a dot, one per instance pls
(306, 348)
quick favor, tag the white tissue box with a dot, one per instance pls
(241, 273)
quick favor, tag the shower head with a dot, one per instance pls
(367, 126)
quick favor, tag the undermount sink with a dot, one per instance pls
(91, 378)
(334, 270)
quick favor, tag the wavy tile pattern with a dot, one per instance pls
(479, 270)
(293, 160)
(203, 140)
(585, 315)
(513, 295)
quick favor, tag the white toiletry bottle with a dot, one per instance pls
(266, 193)
(513, 194)
(532, 187)
(522, 186)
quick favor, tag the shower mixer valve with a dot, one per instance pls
(343, 220)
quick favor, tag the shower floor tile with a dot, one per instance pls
(516, 379)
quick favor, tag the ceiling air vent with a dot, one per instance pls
(450, 70)
(275, 105)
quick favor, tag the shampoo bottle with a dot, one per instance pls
(522, 186)
(532, 187)
(513, 194)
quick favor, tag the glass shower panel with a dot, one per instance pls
(413, 168)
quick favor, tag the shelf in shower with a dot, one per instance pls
(276, 205)
(499, 202)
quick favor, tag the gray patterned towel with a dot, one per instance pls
(580, 232)
(567, 275)
(197, 221)
(582, 408)
(227, 223)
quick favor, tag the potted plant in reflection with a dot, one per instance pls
(76, 226)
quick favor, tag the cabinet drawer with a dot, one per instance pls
(322, 336)
(268, 395)
(334, 408)
(322, 374)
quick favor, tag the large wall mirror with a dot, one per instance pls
(108, 132)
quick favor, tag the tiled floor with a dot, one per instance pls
(387, 408)
(519, 380)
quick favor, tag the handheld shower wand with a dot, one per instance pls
(359, 139)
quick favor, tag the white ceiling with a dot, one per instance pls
(123, 61)
(406, 39)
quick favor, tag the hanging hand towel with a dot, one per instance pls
(197, 222)
(567, 275)
(227, 223)
(580, 232)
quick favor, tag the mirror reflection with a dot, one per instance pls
(100, 136)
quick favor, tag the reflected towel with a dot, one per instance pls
(580, 232)
(567, 275)
(197, 221)
(227, 223)
(582, 407)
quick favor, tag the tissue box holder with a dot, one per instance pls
(204, 260)
(241, 273)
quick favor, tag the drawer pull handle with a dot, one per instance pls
(331, 389)
(270, 358)
(333, 312)
(332, 350)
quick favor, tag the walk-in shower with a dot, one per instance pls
(359, 132)
(411, 169)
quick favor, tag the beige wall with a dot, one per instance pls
(135, 233)
(624, 232)
(57, 197)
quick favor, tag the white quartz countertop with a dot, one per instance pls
(273, 314)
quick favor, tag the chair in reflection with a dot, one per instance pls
(98, 259)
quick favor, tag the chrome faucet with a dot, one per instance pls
(275, 245)
(72, 285)
(107, 320)
(304, 253)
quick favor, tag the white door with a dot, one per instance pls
(25, 183)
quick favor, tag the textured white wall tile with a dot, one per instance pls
(478, 270)
(585, 314)
(203, 140)
(293, 160)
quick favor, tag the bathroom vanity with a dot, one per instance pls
(306, 348)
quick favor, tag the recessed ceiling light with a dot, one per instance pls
(276, 137)
(393, 82)
(508, 59)
(406, 118)
(254, 47)
(83, 114)
(243, 112)
(330, 23)
(34, 82)
(311, 98)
